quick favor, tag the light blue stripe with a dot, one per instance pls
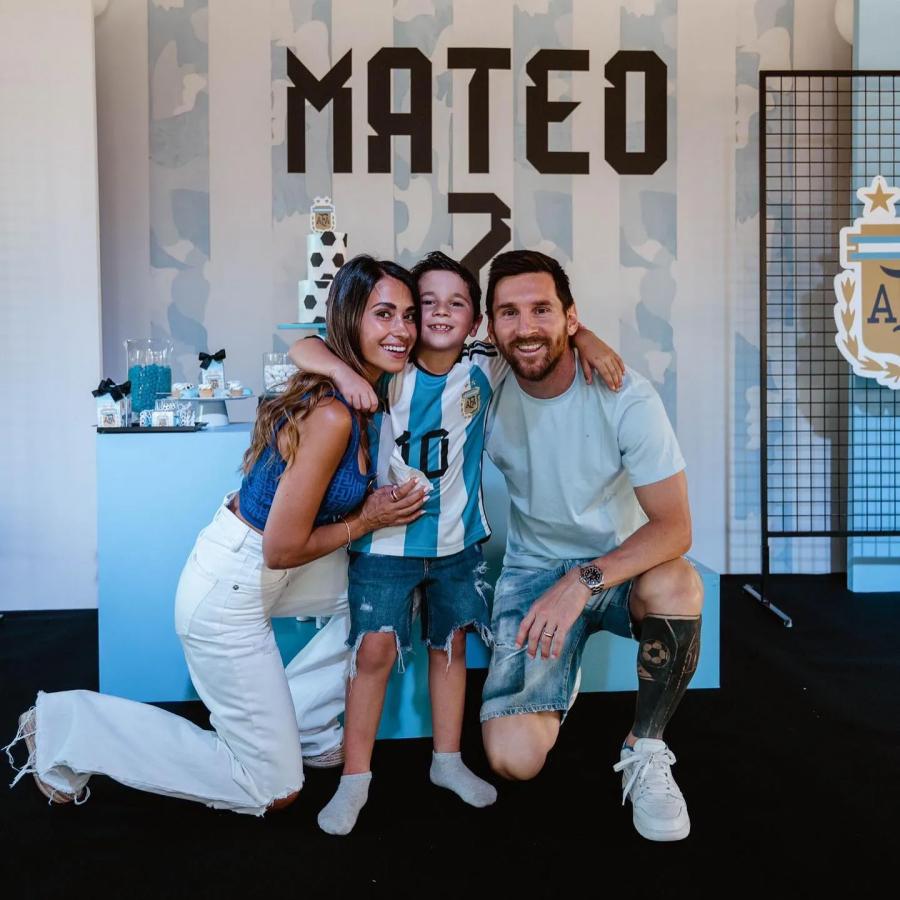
(874, 239)
(472, 454)
(858, 257)
(425, 416)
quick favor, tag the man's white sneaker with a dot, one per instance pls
(658, 808)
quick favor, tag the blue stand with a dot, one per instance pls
(145, 535)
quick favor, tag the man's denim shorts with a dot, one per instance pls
(382, 597)
(516, 683)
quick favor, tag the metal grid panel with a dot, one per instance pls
(830, 440)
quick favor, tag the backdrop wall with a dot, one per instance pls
(49, 304)
(202, 228)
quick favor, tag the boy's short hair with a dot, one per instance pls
(440, 262)
(523, 262)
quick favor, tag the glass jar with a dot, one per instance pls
(149, 371)
(277, 371)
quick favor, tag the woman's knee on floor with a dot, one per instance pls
(282, 802)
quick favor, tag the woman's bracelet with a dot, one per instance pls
(349, 537)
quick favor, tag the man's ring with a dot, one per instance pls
(549, 634)
(394, 496)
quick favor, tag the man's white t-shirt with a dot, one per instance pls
(572, 462)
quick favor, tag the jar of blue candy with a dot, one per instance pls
(149, 371)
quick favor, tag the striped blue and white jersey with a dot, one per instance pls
(435, 423)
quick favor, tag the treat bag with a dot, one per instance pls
(212, 370)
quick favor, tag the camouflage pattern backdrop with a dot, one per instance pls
(227, 221)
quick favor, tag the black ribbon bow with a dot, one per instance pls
(207, 358)
(116, 391)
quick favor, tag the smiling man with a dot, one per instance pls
(599, 521)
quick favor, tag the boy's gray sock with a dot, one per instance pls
(449, 771)
(340, 814)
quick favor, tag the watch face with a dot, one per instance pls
(592, 577)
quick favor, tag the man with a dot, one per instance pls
(599, 521)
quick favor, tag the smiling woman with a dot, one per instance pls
(275, 548)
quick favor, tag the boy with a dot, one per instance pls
(431, 428)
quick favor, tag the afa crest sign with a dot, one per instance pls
(867, 308)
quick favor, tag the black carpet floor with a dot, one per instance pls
(790, 772)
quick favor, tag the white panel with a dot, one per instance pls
(705, 288)
(242, 313)
(817, 43)
(50, 309)
(364, 202)
(595, 197)
(124, 164)
(481, 25)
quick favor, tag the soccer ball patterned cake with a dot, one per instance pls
(326, 251)
(313, 300)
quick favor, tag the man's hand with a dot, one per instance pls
(548, 621)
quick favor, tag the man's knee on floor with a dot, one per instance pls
(516, 763)
(515, 751)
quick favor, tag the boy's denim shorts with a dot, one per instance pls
(516, 683)
(382, 598)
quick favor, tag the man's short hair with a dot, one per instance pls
(440, 262)
(523, 262)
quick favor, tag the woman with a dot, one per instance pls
(274, 548)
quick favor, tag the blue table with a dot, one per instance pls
(155, 493)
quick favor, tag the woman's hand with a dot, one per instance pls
(599, 357)
(393, 505)
(356, 390)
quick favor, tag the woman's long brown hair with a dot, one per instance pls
(347, 300)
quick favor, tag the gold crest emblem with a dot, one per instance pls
(867, 311)
(470, 402)
(321, 215)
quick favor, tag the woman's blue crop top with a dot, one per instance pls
(345, 492)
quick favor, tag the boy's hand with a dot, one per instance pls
(598, 357)
(356, 390)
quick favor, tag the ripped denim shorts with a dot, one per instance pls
(382, 597)
(516, 683)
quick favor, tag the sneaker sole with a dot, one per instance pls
(652, 835)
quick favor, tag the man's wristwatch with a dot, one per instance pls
(592, 578)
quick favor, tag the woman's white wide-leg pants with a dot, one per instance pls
(261, 712)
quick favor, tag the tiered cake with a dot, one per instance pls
(326, 250)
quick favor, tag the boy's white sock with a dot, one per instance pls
(449, 771)
(340, 814)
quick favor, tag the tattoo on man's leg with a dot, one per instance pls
(667, 659)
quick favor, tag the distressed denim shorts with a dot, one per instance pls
(382, 597)
(518, 684)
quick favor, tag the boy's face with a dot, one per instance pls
(446, 311)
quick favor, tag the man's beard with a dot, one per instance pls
(541, 365)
